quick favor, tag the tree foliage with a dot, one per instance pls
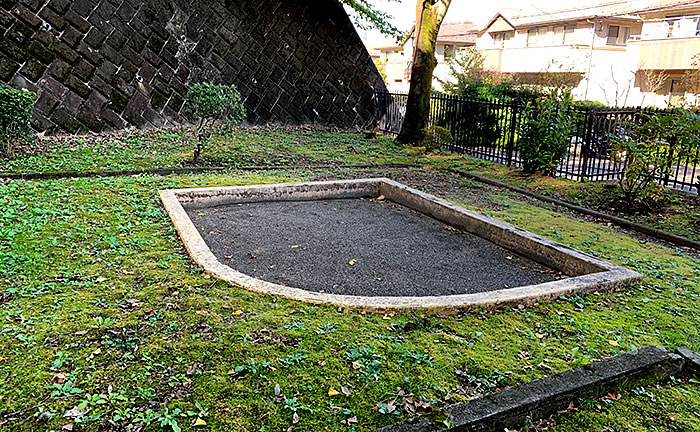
(546, 130)
(366, 16)
(15, 116)
(467, 77)
(213, 103)
(648, 149)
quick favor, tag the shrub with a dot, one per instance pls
(648, 151)
(589, 104)
(471, 118)
(213, 103)
(546, 130)
(436, 137)
(15, 116)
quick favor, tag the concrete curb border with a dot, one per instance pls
(587, 273)
(625, 223)
(185, 170)
(511, 407)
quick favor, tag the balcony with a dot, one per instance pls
(668, 54)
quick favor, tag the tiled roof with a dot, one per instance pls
(575, 10)
(671, 4)
(462, 32)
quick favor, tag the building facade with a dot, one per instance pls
(619, 54)
(395, 59)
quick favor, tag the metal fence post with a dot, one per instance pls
(511, 134)
(586, 147)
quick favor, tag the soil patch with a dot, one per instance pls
(359, 247)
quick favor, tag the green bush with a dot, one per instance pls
(477, 119)
(436, 137)
(589, 104)
(15, 116)
(546, 130)
(213, 103)
(649, 149)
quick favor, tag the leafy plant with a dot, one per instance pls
(213, 103)
(292, 359)
(546, 130)
(436, 137)
(648, 149)
(169, 418)
(15, 116)
(252, 367)
(64, 390)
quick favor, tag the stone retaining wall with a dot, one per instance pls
(108, 64)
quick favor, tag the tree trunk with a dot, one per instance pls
(429, 16)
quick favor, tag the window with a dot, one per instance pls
(618, 35)
(697, 27)
(501, 38)
(569, 31)
(672, 27)
(564, 34)
(449, 51)
(677, 87)
(532, 37)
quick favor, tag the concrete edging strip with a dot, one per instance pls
(625, 223)
(184, 170)
(510, 408)
(588, 273)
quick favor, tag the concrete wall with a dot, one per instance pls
(107, 64)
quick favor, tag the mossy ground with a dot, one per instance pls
(98, 291)
(238, 147)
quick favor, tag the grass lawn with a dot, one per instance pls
(238, 147)
(103, 313)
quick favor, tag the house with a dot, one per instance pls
(665, 53)
(585, 45)
(396, 58)
(619, 53)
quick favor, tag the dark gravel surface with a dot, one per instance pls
(359, 247)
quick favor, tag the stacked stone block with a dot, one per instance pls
(109, 64)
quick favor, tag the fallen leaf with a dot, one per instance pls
(539, 335)
(237, 312)
(68, 427)
(613, 343)
(352, 262)
(295, 418)
(199, 422)
(333, 392)
(4, 358)
(100, 279)
(75, 412)
(81, 332)
(226, 306)
(352, 420)
(345, 391)
(127, 272)
(509, 257)
(294, 246)
(59, 378)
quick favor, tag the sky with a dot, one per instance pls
(477, 11)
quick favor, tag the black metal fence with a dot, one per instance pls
(488, 129)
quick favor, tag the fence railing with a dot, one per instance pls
(488, 129)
